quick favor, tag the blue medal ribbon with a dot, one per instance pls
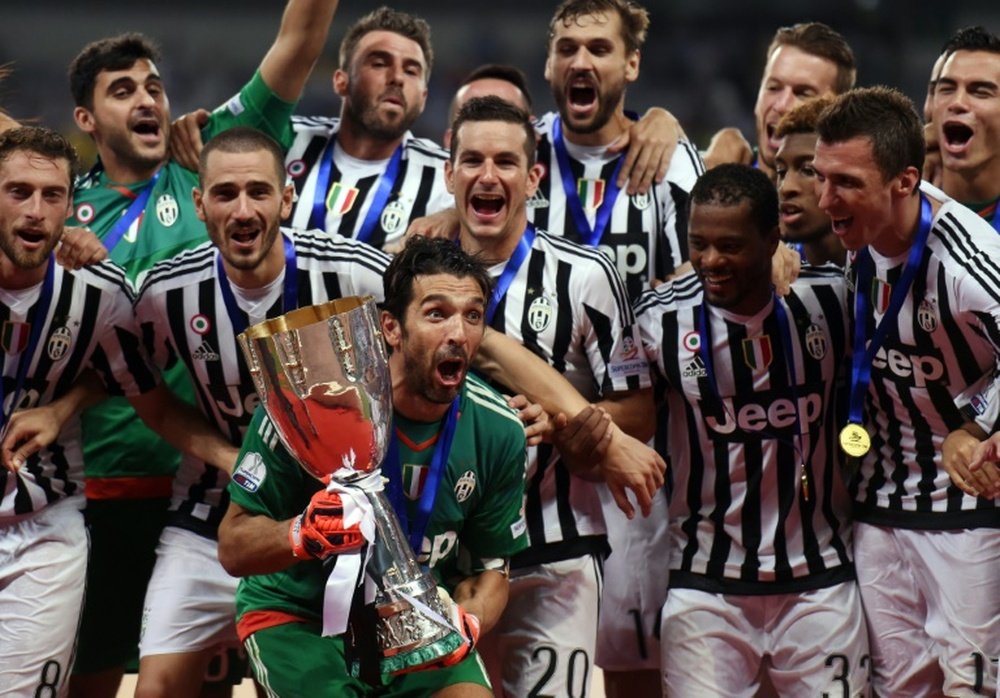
(37, 320)
(861, 361)
(386, 183)
(589, 236)
(510, 271)
(996, 217)
(137, 206)
(705, 334)
(289, 297)
(393, 470)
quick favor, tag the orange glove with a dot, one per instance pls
(320, 532)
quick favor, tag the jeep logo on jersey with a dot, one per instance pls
(539, 314)
(465, 486)
(230, 401)
(167, 210)
(757, 352)
(629, 259)
(816, 343)
(927, 315)
(773, 414)
(922, 369)
(433, 551)
(414, 478)
(59, 342)
(250, 473)
(393, 217)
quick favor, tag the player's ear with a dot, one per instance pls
(391, 330)
(908, 182)
(632, 66)
(340, 82)
(199, 204)
(287, 199)
(449, 176)
(84, 119)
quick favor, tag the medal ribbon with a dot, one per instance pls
(393, 470)
(37, 320)
(137, 206)
(510, 271)
(289, 296)
(383, 189)
(861, 361)
(589, 236)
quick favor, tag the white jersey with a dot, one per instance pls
(183, 316)
(741, 519)
(568, 305)
(937, 368)
(352, 184)
(89, 324)
(646, 235)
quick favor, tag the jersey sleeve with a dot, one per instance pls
(609, 335)
(151, 319)
(257, 106)
(649, 311)
(368, 270)
(118, 356)
(497, 529)
(981, 402)
(685, 168)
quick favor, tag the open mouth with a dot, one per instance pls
(841, 225)
(244, 237)
(582, 95)
(487, 204)
(715, 280)
(31, 237)
(956, 135)
(451, 371)
(147, 128)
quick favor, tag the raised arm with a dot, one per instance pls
(300, 41)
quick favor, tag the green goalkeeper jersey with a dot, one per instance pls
(476, 523)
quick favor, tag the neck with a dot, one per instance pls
(360, 143)
(617, 125)
(14, 278)
(825, 249)
(972, 187)
(125, 173)
(406, 402)
(495, 249)
(899, 235)
(265, 272)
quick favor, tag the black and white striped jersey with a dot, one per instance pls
(183, 316)
(419, 188)
(568, 305)
(89, 324)
(937, 368)
(646, 236)
(743, 519)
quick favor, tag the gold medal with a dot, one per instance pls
(854, 440)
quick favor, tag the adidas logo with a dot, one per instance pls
(695, 369)
(537, 200)
(204, 352)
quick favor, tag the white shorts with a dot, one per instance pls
(811, 643)
(43, 571)
(191, 600)
(635, 587)
(544, 642)
(933, 605)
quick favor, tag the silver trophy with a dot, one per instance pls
(322, 374)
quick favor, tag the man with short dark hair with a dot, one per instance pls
(497, 79)
(57, 324)
(138, 202)
(433, 321)
(922, 394)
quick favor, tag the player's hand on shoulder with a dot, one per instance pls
(321, 530)
(185, 138)
(443, 224)
(727, 146)
(649, 145)
(79, 247)
(786, 264)
(537, 425)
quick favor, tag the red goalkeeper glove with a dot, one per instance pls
(320, 532)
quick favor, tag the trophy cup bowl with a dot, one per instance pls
(322, 374)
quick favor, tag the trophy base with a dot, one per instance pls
(422, 657)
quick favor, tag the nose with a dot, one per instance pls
(145, 98)
(244, 210)
(826, 195)
(34, 206)
(957, 101)
(455, 332)
(785, 101)
(489, 173)
(581, 60)
(788, 185)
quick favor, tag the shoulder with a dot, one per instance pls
(189, 266)
(543, 125)
(684, 291)
(325, 248)
(968, 246)
(106, 276)
(424, 149)
(489, 409)
(315, 125)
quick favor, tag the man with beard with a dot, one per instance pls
(56, 325)
(803, 224)
(923, 391)
(803, 61)
(138, 202)
(284, 527)
(567, 304)
(190, 309)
